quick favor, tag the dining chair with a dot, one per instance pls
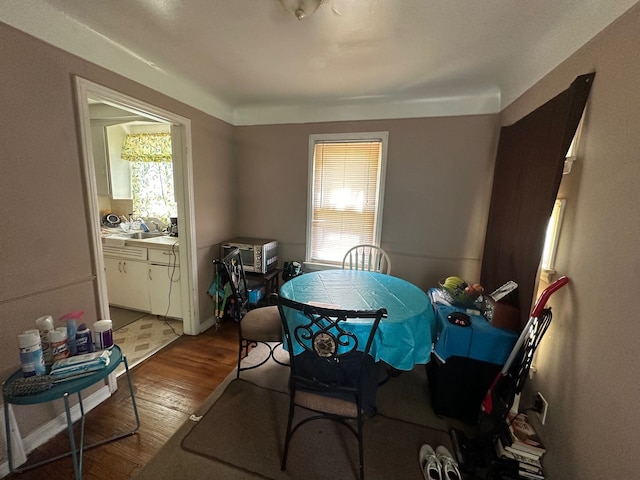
(367, 257)
(332, 373)
(256, 325)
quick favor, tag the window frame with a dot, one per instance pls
(552, 238)
(383, 137)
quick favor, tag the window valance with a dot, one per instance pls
(147, 147)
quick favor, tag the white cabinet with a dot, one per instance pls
(119, 170)
(100, 160)
(164, 290)
(127, 283)
(144, 279)
(164, 283)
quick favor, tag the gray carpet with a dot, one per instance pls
(239, 436)
(254, 417)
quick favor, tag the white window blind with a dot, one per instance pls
(345, 196)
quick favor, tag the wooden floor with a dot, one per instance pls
(168, 388)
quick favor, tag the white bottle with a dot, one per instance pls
(31, 354)
(103, 334)
(45, 325)
(59, 346)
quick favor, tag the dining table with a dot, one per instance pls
(403, 338)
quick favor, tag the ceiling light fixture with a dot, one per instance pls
(301, 8)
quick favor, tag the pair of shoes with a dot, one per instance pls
(449, 465)
(438, 464)
(429, 463)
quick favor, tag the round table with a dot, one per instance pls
(62, 390)
(403, 338)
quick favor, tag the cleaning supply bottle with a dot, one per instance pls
(59, 346)
(72, 319)
(45, 325)
(103, 334)
(31, 358)
(84, 342)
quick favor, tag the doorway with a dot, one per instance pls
(89, 93)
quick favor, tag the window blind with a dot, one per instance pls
(345, 196)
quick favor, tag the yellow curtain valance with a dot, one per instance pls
(147, 147)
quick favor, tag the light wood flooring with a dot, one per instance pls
(169, 387)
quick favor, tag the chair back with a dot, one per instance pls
(367, 257)
(326, 357)
(233, 281)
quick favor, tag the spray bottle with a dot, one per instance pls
(72, 319)
(45, 325)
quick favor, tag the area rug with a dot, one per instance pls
(406, 420)
(144, 337)
(245, 429)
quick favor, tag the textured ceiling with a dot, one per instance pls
(251, 61)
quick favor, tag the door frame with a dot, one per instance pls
(183, 180)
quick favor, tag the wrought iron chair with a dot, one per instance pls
(332, 373)
(257, 325)
(367, 257)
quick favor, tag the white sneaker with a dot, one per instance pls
(429, 463)
(449, 465)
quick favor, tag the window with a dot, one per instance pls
(552, 236)
(151, 170)
(346, 187)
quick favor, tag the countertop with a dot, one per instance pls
(164, 242)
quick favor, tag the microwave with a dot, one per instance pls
(258, 255)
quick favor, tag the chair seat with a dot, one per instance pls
(262, 324)
(322, 403)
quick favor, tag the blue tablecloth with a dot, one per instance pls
(403, 338)
(480, 341)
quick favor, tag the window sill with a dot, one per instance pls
(317, 267)
(546, 275)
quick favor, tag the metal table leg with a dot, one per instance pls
(75, 452)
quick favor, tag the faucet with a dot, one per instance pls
(157, 225)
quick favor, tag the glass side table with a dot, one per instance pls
(63, 390)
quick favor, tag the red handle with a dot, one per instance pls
(550, 290)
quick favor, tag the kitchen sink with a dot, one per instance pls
(143, 235)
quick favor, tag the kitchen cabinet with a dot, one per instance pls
(146, 279)
(127, 283)
(164, 290)
(100, 160)
(164, 283)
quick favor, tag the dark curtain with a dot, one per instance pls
(527, 176)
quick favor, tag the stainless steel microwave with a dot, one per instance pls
(258, 255)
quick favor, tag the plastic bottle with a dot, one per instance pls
(31, 357)
(103, 334)
(45, 325)
(72, 320)
(84, 342)
(59, 347)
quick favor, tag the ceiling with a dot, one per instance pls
(251, 61)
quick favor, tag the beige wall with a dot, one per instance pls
(438, 183)
(588, 363)
(45, 253)
(436, 200)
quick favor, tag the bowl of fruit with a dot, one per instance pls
(459, 292)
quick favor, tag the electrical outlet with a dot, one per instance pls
(541, 407)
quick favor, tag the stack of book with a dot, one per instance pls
(519, 450)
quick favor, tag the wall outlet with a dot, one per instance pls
(541, 406)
